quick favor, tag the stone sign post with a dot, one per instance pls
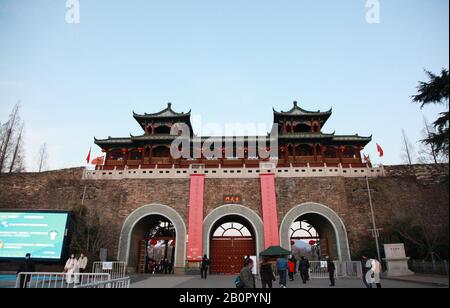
(396, 260)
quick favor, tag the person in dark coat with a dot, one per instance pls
(165, 266)
(366, 266)
(27, 266)
(331, 270)
(266, 272)
(304, 269)
(246, 275)
(204, 267)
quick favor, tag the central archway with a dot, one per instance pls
(232, 240)
(243, 217)
(323, 217)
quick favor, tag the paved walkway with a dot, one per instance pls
(196, 282)
(433, 280)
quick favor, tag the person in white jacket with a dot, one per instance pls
(72, 268)
(82, 262)
(374, 273)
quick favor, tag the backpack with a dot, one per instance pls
(238, 282)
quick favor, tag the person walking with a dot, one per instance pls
(304, 269)
(375, 270)
(366, 267)
(82, 261)
(282, 267)
(246, 275)
(266, 272)
(204, 267)
(72, 269)
(291, 267)
(27, 266)
(165, 265)
(331, 270)
(170, 266)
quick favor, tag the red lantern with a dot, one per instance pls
(342, 149)
(153, 242)
(124, 150)
(292, 243)
(312, 242)
(140, 150)
(173, 243)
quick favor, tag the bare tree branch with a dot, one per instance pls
(16, 164)
(407, 149)
(8, 137)
(42, 158)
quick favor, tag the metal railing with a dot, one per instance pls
(428, 267)
(58, 280)
(344, 269)
(349, 269)
(318, 270)
(121, 283)
(115, 269)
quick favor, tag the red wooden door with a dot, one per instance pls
(324, 251)
(228, 254)
(141, 261)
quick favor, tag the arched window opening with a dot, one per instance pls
(303, 230)
(232, 229)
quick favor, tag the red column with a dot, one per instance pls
(195, 232)
(269, 207)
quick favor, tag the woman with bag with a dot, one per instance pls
(246, 280)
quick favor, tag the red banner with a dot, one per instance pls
(269, 206)
(195, 234)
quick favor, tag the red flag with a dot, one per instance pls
(380, 150)
(88, 158)
(98, 161)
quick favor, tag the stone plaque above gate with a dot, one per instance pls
(232, 199)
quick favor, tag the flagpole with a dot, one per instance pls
(375, 230)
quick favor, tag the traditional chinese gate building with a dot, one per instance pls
(302, 147)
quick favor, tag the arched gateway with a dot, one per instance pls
(135, 230)
(322, 216)
(230, 233)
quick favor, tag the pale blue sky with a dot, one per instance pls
(229, 61)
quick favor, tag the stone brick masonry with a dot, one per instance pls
(417, 191)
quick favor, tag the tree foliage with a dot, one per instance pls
(436, 91)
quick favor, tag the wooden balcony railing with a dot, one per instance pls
(115, 163)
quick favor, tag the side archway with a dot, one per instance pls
(343, 249)
(148, 210)
(233, 210)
